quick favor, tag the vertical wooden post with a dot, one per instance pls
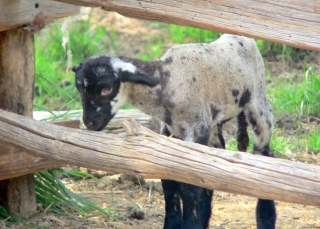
(16, 95)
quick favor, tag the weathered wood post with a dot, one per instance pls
(16, 94)
(17, 194)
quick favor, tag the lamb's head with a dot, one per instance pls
(99, 80)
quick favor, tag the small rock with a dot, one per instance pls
(115, 178)
(289, 153)
(127, 177)
(135, 213)
(130, 194)
(296, 216)
(3, 224)
(128, 184)
(101, 185)
(83, 227)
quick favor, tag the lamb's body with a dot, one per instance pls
(204, 84)
(194, 89)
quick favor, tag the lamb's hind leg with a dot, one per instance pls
(242, 133)
(262, 126)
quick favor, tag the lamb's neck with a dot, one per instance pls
(146, 99)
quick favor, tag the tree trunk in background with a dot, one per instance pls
(16, 94)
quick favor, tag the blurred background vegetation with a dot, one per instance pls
(292, 74)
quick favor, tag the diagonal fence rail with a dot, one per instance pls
(143, 153)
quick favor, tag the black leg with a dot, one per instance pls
(261, 126)
(266, 214)
(220, 136)
(242, 134)
(195, 215)
(197, 200)
(171, 191)
(205, 203)
(173, 218)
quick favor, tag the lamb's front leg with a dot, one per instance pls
(173, 217)
(171, 191)
(196, 200)
(196, 206)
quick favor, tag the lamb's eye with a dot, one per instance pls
(106, 91)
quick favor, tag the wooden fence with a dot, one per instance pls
(292, 22)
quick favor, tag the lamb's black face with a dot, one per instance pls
(98, 86)
(98, 80)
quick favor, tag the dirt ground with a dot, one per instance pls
(141, 206)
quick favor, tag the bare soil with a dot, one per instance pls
(138, 206)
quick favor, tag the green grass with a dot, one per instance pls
(185, 34)
(54, 86)
(54, 82)
(312, 142)
(301, 96)
(51, 192)
(278, 144)
(9, 219)
(308, 143)
(295, 95)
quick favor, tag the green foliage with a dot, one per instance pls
(185, 34)
(154, 50)
(9, 219)
(312, 142)
(300, 96)
(308, 142)
(54, 86)
(175, 34)
(278, 144)
(54, 82)
(280, 52)
(51, 192)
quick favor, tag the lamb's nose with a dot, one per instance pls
(89, 124)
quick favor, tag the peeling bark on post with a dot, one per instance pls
(16, 95)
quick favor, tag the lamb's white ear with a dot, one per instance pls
(127, 72)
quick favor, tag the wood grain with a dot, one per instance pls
(17, 195)
(146, 154)
(15, 162)
(292, 22)
(32, 15)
